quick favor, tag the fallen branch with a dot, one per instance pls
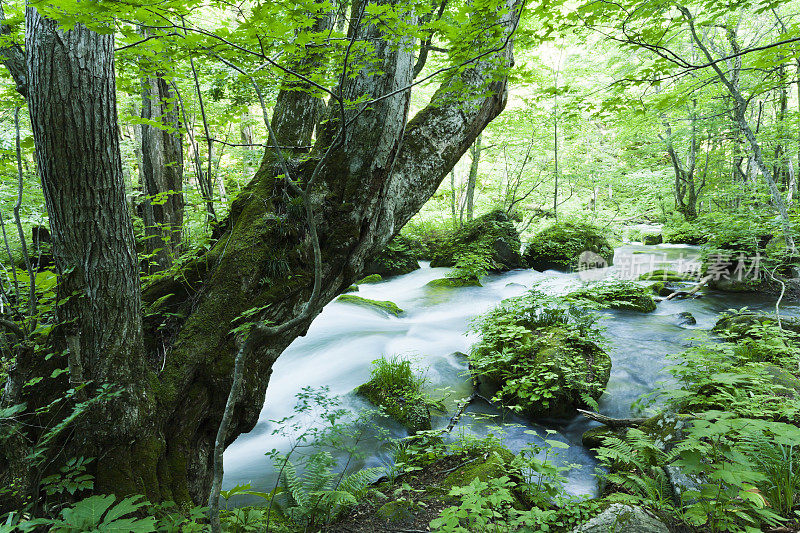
(692, 291)
(613, 422)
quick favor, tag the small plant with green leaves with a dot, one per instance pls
(542, 355)
(397, 389)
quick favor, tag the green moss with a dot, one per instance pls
(399, 257)
(381, 305)
(491, 237)
(664, 275)
(560, 246)
(406, 407)
(451, 283)
(372, 278)
(617, 294)
(494, 466)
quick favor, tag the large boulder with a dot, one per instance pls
(548, 373)
(617, 294)
(491, 236)
(399, 257)
(560, 247)
(622, 518)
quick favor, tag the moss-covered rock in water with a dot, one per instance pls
(491, 236)
(372, 278)
(652, 238)
(399, 257)
(684, 233)
(560, 246)
(615, 294)
(409, 409)
(665, 275)
(380, 305)
(739, 324)
(548, 373)
(451, 283)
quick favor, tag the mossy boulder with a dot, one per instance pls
(652, 238)
(410, 410)
(492, 235)
(384, 306)
(452, 283)
(739, 324)
(560, 246)
(625, 295)
(665, 275)
(496, 464)
(549, 373)
(623, 518)
(685, 233)
(399, 257)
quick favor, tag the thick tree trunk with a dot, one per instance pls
(72, 103)
(369, 186)
(161, 173)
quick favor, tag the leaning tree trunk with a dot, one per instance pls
(369, 186)
(161, 173)
(72, 104)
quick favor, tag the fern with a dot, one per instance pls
(313, 498)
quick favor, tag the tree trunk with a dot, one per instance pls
(475, 152)
(368, 187)
(161, 174)
(72, 103)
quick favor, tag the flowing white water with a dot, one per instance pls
(344, 340)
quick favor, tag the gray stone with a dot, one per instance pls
(621, 518)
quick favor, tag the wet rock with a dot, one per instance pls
(560, 246)
(399, 257)
(451, 283)
(492, 235)
(384, 306)
(652, 238)
(686, 318)
(621, 518)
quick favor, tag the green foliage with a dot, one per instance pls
(318, 495)
(494, 504)
(542, 354)
(98, 514)
(397, 389)
(617, 294)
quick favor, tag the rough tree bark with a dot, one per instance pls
(161, 173)
(369, 187)
(72, 104)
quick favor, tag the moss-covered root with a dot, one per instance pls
(384, 306)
